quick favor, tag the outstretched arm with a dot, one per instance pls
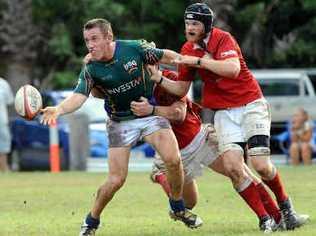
(169, 57)
(70, 104)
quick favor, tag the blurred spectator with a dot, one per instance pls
(6, 98)
(302, 143)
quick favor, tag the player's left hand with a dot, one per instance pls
(154, 72)
(141, 107)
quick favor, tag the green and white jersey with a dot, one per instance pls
(123, 79)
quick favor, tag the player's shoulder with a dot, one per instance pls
(136, 43)
(88, 69)
(220, 34)
(187, 48)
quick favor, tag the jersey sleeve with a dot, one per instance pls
(228, 47)
(149, 53)
(186, 73)
(85, 82)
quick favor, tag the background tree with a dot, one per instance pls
(41, 40)
(18, 38)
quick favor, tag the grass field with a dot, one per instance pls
(55, 204)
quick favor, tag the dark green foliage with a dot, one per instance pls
(271, 33)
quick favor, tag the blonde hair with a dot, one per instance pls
(102, 24)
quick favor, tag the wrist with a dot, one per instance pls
(153, 110)
(156, 77)
(160, 81)
(59, 110)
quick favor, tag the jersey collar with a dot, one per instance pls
(205, 40)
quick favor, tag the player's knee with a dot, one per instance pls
(233, 165)
(294, 146)
(172, 162)
(306, 147)
(236, 174)
(263, 169)
(116, 181)
(258, 146)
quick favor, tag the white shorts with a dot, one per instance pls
(128, 132)
(241, 123)
(202, 151)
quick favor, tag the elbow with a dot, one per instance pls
(178, 115)
(183, 91)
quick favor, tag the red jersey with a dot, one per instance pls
(188, 129)
(218, 91)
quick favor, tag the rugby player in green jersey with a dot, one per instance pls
(117, 69)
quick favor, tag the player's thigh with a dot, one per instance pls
(228, 128)
(123, 133)
(165, 143)
(257, 119)
(118, 158)
(218, 166)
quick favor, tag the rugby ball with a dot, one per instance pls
(28, 102)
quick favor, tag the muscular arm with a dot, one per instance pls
(71, 103)
(169, 57)
(229, 68)
(176, 112)
(179, 88)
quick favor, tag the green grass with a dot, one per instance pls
(55, 204)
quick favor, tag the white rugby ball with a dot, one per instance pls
(28, 102)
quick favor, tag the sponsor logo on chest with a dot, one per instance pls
(125, 87)
(130, 66)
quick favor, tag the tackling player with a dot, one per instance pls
(242, 113)
(198, 147)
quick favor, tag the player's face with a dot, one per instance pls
(194, 30)
(96, 42)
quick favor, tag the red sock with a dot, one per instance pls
(277, 188)
(252, 198)
(162, 180)
(268, 203)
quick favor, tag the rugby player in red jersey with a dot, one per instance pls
(198, 147)
(242, 113)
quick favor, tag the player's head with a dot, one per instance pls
(198, 18)
(98, 35)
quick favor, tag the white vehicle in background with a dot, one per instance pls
(286, 90)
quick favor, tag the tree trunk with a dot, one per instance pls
(18, 74)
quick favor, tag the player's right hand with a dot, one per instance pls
(155, 73)
(49, 115)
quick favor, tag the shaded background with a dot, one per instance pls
(41, 40)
